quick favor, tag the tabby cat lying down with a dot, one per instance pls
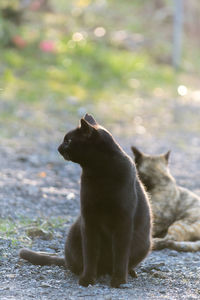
(113, 232)
(176, 210)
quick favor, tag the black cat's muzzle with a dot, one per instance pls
(62, 149)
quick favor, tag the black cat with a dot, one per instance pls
(113, 233)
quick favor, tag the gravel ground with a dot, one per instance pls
(38, 185)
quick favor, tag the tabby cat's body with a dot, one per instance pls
(176, 210)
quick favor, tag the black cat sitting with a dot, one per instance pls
(113, 232)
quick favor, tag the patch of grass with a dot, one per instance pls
(83, 72)
(15, 230)
(7, 228)
(89, 71)
(36, 85)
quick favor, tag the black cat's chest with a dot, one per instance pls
(104, 204)
(102, 217)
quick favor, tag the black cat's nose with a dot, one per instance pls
(63, 151)
(60, 149)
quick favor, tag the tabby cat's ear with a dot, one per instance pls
(86, 128)
(90, 119)
(136, 153)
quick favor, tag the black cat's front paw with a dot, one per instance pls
(133, 273)
(116, 281)
(85, 281)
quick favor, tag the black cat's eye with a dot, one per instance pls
(67, 142)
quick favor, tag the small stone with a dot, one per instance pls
(11, 275)
(159, 274)
(22, 158)
(35, 232)
(45, 285)
(70, 196)
(4, 288)
(173, 253)
(125, 286)
(34, 160)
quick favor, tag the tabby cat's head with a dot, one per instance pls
(152, 169)
(87, 143)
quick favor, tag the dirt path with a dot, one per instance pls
(41, 191)
(39, 196)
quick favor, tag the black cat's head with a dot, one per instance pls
(87, 142)
(152, 169)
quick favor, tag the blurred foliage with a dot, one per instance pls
(58, 55)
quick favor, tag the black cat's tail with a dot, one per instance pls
(41, 258)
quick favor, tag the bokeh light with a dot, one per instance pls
(100, 31)
(182, 90)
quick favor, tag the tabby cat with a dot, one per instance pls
(176, 210)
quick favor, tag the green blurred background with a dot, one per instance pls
(112, 58)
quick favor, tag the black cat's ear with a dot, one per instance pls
(166, 156)
(136, 153)
(90, 119)
(86, 128)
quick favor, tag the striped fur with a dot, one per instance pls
(176, 210)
